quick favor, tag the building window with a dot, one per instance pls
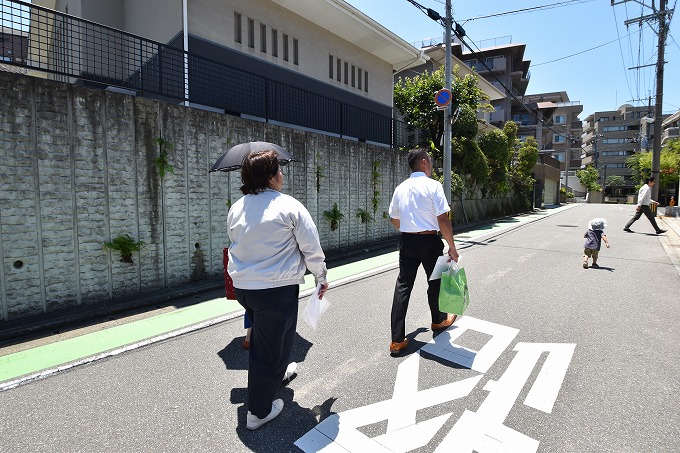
(263, 38)
(603, 118)
(366, 81)
(338, 70)
(560, 119)
(296, 55)
(559, 138)
(471, 63)
(359, 78)
(346, 73)
(251, 33)
(331, 73)
(353, 76)
(285, 47)
(559, 156)
(238, 30)
(275, 43)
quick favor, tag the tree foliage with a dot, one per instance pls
(495, 147)
(640, 164)
(527, 156)
(588, 177)
(414, 97)
(614, 180)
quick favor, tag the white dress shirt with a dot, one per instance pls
(417, 202)
(644, 195)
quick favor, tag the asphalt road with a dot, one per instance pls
(550, 357)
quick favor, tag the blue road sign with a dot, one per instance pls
(443, 97)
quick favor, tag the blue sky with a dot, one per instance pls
(598, 78)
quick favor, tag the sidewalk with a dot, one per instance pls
(31, 360)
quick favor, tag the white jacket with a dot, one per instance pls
(273, 240)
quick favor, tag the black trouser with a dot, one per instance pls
(644, 209)
(414, 250)
(273, 313)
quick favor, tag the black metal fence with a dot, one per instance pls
(75, 50)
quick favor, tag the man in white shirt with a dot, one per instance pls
(419, 210)
(644, 200)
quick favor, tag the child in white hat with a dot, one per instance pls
(594, 237)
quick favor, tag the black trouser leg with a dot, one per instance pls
(273, 313)
(635, 218)
(408, 269)
(415, 249)
(650, 215)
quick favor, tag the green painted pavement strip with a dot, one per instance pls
(56, 354)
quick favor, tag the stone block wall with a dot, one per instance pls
(77, 169)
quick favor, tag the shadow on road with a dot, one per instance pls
(236, 358)
(280, 434)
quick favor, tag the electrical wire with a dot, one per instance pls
(528, 10)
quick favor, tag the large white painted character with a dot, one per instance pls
(481, 431)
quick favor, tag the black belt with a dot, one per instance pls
(421, 232)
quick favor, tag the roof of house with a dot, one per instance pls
(350, 24)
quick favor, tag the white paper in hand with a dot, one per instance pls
(316, 307)
(442, 265)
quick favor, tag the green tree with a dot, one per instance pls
(588, 177)
(414, 97)
(469, 161)
(614, 181)
(640, 164)
(527, 156)
(520, 168)
(495, 147)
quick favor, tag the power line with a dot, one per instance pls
(529, 10)
(582, 52)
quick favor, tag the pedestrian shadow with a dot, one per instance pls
(236, 358)
(602, 268)
(281, 433)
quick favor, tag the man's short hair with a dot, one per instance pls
(648, 180)
(415, 156)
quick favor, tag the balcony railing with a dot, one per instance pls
(74, 50)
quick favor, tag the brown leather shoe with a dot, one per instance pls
(445, 323)
(396, 348)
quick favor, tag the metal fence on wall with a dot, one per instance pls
(75, 50)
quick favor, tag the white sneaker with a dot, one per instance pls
(253, 422)
(290, 371)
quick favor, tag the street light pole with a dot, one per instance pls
(447, 112)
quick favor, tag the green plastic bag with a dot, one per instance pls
(453, 293)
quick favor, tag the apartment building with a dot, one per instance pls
(319, 61)
(671, 128)
(503, 66)
(555, 124)
(611, 137)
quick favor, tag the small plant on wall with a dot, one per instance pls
(334, 215)
(162, 163)
(375, 179)
(126, 246)
(364, 215)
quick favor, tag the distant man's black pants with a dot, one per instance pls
(644, 209)
(414, 250)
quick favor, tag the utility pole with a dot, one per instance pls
(448, 22)
(660, 17)
(658, 114)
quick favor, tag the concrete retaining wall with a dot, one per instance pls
(78, 169)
